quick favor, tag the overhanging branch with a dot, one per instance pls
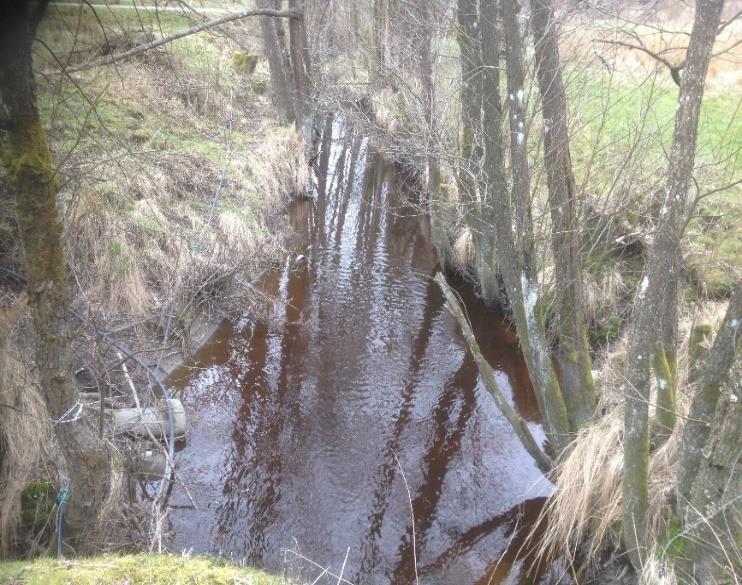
(111, 59)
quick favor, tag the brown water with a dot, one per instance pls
(309, 423)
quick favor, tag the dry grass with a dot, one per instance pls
(171, 172)
(23, 431)
(281, 170)
(463, 249)
(585, 512)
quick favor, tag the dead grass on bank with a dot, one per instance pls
(174, 169)
(583, 518)
(23, 432)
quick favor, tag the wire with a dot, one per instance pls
(62, 499)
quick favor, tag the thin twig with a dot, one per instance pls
(412, 515)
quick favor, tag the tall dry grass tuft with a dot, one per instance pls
(583, 517)
(280, 167)
(23, 428)
(585, 512)
(463, 249)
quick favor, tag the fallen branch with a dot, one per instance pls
(111, 59)
(490, 381)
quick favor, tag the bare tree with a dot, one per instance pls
(514, 251)
(572, 354)
(280, 88)
(27, 160)
(656, 298)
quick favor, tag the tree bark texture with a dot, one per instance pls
(713, 520)
(27, 159)
(572, 353)
(301, 62)
(713, 376)
(659, 283)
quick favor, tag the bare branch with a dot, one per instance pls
(674, 69)
(111, 59)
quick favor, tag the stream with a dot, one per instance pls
(322, 424)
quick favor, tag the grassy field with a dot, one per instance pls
(132, 570)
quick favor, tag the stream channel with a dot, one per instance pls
(318, 425)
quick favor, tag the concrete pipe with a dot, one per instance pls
(152, 420)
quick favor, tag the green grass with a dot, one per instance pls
(613, 113)
(139, 569)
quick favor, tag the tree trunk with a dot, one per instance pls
(572, 353)
(660, 281)
(27, 159)
(713, 521)
(301, 63)
(514, 260)
(423, 38)
(471, 98)
(519, 426)
(714, 374)
(282, 93)
(481, 212)
(379, 32)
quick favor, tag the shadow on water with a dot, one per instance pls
(308, 421)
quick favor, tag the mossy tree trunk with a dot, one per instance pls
(27, 159)
(700, 335)
(659, 283)
(709, 473)
(572, 353)
(714, 374)
(518, 424)
(713, 520)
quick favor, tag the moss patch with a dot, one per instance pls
(133, 570)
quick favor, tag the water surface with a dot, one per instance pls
(322, 424)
